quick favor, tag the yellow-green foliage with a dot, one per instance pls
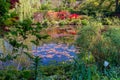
(102, 41)
(92, 6)
(26, 8)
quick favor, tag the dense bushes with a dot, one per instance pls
(101, 41)
(15, 75)
(97, 7)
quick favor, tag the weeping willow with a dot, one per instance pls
(26, 8)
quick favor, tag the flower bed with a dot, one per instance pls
(60, 17)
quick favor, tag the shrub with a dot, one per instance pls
(91, 7)
(102, 42)
(15, 75)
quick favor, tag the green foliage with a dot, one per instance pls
(16, 38)
(112, 73)
(63, 22)
(113, 34)
(46, 6)
(15, 75)
(22, 30)
(75, 21)
(4, 7)
(26, 8)
(36, 65)
(107, 21)
(8, 57)
(79, 69)
(92, 7)
(60, 71)
(6, 19)
(66, 4)
(102, 42)
(110, 21)
(83, 69)
(98, 43)
(84, 22)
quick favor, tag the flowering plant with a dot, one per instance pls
(58, 15)
(63, 14)
(74, 16)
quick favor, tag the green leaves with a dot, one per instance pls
(9, 57)
(114, 35)
(4, 7)
(36, 61)
(14, 43)
(102, 42)
(40, 37)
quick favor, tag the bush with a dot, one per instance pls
(91, 7)
(102, 42)
(15, 75)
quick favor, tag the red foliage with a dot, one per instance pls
(71, 31)
(61, 32)
(13, 2)
(74, 16)
(58, 15)
(52, 15)
(63, 14)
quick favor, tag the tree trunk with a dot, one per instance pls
(117, 4)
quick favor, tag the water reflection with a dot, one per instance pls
(55, 52)
(48, 52)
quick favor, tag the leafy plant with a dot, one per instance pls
(15, 75)
(26, 8)
(94, 39)
(36, 66)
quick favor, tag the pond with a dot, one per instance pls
(55, 53)
(52, 51)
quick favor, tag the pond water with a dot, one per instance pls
(50, 53)
(54, 53)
